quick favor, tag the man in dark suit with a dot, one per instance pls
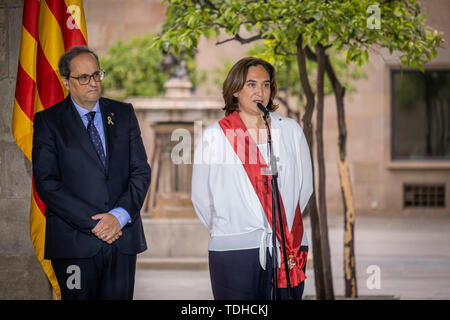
(90, 170)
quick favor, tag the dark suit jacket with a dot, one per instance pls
(73, 184)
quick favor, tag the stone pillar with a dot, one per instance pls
(178, 88)
(21, 275)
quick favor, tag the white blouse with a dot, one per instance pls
(224, 198)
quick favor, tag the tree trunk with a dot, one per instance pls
(346, 190)
(321, 160)
(320, 244)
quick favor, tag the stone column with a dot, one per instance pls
(21, 275)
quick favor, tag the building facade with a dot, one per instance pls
(398, 148)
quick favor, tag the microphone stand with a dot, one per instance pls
(276, 207)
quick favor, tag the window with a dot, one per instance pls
(420, 115)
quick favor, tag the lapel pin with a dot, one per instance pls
(110, 122)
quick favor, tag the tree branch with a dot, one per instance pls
(310, 54)
(304, 81)
(225, 41)
(286, 54)
(339, 93)
(211, 5)
(241, 40)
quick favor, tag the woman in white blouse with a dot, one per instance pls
(231, 189)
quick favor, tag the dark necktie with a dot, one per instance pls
(95, 137)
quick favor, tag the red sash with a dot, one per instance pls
(235, 131)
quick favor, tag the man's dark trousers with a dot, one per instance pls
(109, 275)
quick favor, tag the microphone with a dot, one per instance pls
(263, 109)
(275, 208)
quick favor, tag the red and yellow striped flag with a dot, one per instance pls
(49, 28)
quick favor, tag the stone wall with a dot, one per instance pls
(21, 275)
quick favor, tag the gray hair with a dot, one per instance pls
(64, 64)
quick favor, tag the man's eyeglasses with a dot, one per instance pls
(84, 79)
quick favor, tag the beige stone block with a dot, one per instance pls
(3, 54)
(15, 226)
(190, 239)
(22, 278)
(367, 172)
(175, 238)
(158, 236)
(14, 35)
(15, 172)
(7, 89)
(368, 198)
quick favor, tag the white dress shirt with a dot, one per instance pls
(224, 198)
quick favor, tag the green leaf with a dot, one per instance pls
(366, 55)
(176, 49)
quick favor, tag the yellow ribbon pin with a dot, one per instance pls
(110, 122)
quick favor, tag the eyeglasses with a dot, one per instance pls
(84, 79)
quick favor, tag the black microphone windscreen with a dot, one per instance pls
(262, 108)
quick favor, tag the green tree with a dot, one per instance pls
(135, 68)
(313, 30)
(288, 74)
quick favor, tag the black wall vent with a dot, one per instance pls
(424, 195)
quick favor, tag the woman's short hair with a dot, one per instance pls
(235, 81)
(64, 64)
